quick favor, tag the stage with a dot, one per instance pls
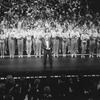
(61, 65)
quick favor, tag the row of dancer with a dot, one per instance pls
(28, 39)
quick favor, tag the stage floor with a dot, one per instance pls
(61, 64)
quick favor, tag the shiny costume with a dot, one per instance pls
(65, 37)
(2, 43)
(20, 43)
(73, 43)
(38, 43)
(84, 39)
(29, 43)
(98, 45)
(11, 42)
(92, 42)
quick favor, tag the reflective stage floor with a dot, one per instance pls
(61, 65)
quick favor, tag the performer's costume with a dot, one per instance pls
(92, 42)
(20, 43)
(38, 43)
(84, 39)
(2, 43)
(47, 46)
(65, 37)
(11, 42)
(29, 43)
(98, 45)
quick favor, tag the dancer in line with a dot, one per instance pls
(65, 37)
(84, 39)
(98, 44)
(38, 45)
(20, 42)
(92, 43)
(11, 42)
(29, 42)
(2, 43)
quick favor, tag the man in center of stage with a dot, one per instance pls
(47, 46)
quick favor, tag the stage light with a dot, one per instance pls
(27, 77)
(15, 78)
(1, 78)
(40, 76)
(44, 76)
(18, 78)
(32, 77)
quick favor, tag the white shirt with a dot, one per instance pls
(71, 34)
(53, 33)
(90, 32)
(95, 33)
(28, 38)
(47, 44)
(84, 36)
(77, 34)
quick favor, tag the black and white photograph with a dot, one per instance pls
(49, 50)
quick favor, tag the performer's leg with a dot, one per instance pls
(69, 46)
(36, 48)
(27, 47)
(39, 49)
(85, 47)
(75, 48)
(0, 49)
(9, 46)
(30, 48)
(13, 48)
(45, 58)
(50, 59)
(90, 49)
(72, 48)
(21, 48)
(54, 47)
(3, 49)
(66, 45)
(93, 48)
(97, 49)
(18, 43)
(77, 45)
(57, 47)
(64, 48)
(60, 46)
(82, 49)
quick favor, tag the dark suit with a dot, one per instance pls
(47, 51)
